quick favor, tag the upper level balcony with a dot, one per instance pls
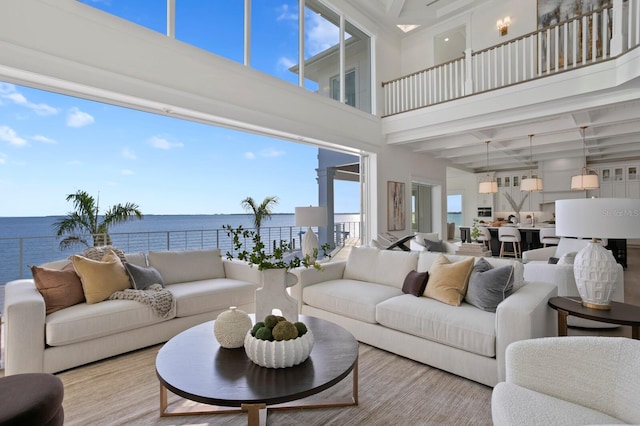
(548, 82)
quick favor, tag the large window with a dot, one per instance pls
(454, 209)
(349, 88)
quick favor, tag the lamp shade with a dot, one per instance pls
(531, 185)
(488, 187)
(598, 218)
(311, 216)
(584, 181)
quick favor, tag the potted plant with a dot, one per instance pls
(475, 231)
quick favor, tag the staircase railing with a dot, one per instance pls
(591, 38)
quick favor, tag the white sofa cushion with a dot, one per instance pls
(426, 258)
(465, 327)
(350, 298)
(540, 409)
(85, 322)
(189, 265)
(197, 297)
(386, 267)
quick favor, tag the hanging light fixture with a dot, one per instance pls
(488, 184)
(588, 178)
(531, 184)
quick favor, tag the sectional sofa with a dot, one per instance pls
(201, 282)
(366, 294)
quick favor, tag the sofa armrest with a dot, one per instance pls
(524, 315)
(24, 310)
(538, 254)
(242, 271)
(310, 276)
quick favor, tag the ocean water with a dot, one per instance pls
(28, 241)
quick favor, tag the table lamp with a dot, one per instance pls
(310, 216)
(594, 267)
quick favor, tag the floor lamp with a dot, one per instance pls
(595, 269)
(310, 216)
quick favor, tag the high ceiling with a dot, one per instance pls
(613, 132)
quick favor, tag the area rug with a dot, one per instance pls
(393, 390)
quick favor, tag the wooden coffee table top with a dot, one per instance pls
(620, 313)
(193, 365)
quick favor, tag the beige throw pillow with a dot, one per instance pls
(100, 279)
(448, 281)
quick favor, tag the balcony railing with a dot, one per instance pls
(587, 39)
(16, 254)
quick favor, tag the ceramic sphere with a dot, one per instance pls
(230, 328)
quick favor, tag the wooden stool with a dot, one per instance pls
(32, 399)
(507, 234)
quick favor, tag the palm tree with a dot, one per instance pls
(262, 211)
(85, 221)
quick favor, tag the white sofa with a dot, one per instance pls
(202, 283)
(577, 380)
(538, 268)
(364, 295)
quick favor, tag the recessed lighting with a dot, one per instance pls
(446, 39)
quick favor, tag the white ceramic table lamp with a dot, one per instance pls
(595, 267)
(310, 216)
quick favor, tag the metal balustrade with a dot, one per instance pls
(591, 38)
(17, 254)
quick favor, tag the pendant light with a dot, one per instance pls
(488, 184)
(531, 184)
(588, 178)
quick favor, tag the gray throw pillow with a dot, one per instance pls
(488, 286)
(435, 246)
(142, 277)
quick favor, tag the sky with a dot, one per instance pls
(53, 145)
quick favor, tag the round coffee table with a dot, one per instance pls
(194, 366)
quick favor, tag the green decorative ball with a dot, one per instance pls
(302, 329)
(284, 330)
(264, 333)
(256, 328)
(270, 321)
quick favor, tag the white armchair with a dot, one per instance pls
(418, 243)
(538, 268)
(569, 381)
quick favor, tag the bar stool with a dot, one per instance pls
(548, 236)
(509, 234)
(485, 237)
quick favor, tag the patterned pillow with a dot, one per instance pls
(97, 253)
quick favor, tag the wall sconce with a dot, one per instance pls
(503, 25)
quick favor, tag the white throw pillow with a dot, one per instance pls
(567, 258)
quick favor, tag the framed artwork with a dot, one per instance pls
(553, 12)
(395, 206)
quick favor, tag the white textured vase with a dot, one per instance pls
(596, 272)
(231, 326)
(279, 354)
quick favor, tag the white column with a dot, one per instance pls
(468, 82)
(301, 7)
(247, 33)
(171, 18)
(618, 39)
(326, 199)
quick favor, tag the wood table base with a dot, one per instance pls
(257, 413)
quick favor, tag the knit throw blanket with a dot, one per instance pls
(160, 300)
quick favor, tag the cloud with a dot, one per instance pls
(77, 118)
(127, 172)
(286, 63)
(285, 14)
(9, 92)
(7, 134)
(249, 155)
(321, 34)
(162, 143)
(43, 139)
(272, 153)
(3, 158)
(129, 154)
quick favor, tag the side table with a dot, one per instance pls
(620, 313)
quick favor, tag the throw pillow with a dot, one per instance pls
(435, 246)
(415, 282)
(567, 258)
(488, 286)
(141, 277)
(100, 279)
(59, 288)
(553, 260)
(448, 281)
